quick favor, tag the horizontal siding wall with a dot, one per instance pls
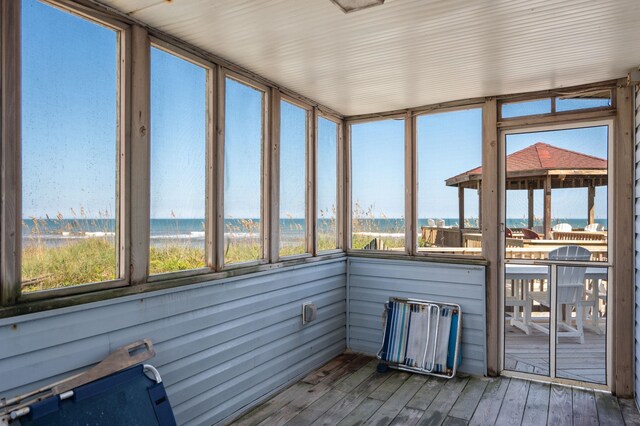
(637, 253)
(370, 283)
(220, 346)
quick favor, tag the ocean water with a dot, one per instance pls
(191, 231)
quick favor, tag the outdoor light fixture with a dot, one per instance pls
(348, 6)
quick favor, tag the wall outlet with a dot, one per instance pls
(309, 312)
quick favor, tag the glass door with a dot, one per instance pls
(555, 249)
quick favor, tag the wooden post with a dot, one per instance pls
(489, 196)
(274, 177)
(591, 198)
(622, 242)
(480, 204)
(218, 147)
(547, 208)
(411, 185)
(140, 154)
(347, 212)
(461, 207)
(312, 181)
(10, 209)
(341, 213)
(530, 217)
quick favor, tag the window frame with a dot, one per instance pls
(409, 178)
(210, 93)
(542, 119)
(123, 51)
(133, 185)
(415, 167)
(310, 192)
(339, 181)
(265, 203)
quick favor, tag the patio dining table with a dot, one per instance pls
(522, 275)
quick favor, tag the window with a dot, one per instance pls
(293, 179)
(243, 155)
(557, 187)
(449, 181)
(377, 185)
(588, 100)
(326, 228)
(178, 164)
(525, 108)
(69, 149)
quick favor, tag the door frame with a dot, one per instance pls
(609, 264)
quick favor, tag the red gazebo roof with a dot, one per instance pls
(540, 160)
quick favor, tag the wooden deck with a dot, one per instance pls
(349, 391)
(583, 362)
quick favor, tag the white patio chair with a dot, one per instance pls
(594, 227)
(562, 227)
(570, 292)
(440, 223)
(431, 222)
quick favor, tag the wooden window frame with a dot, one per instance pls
(339, 180)
(134, 47)
(210, 149)
(310, 193)
(409, 176)
(414, 183)
(12, 143)
(554, 115)
(223, 74)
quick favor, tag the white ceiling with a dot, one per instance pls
(408, 52)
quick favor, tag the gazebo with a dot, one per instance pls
(541, 166)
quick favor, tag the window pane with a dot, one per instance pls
(327, 184)
(377, 188)
(178, 164)
(571, 166)
(449, 178)
(69, 149)
(293, 176)
(521, 109)
(242, 173)
(586, 101)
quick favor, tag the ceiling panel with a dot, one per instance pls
(408, 52)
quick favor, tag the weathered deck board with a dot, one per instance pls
(468, 400)
(349, 391)
(392, 406)
(560, 406)
(584, 408)
(514, 403)
(609, 412)
(537, 407)
(489, 406)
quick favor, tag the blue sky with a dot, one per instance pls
(70, 124)
(68, 114)
(178, 137)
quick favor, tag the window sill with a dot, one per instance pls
(97, 292)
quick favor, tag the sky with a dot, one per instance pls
(69, 127)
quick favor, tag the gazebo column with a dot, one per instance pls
(591, 204)
(530, 221)
(547, 208)
(460, 207)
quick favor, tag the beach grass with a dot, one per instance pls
(94, 260)
(81, 262)
(175, 257)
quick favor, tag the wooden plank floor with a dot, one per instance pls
(583, 362)
(349, 391)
